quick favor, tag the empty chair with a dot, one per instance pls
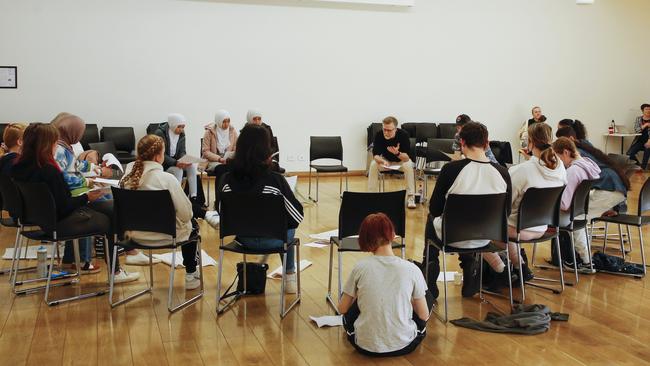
(124, 140)
(106, 147)
(268, 212)
(150, 211)
(91, 135)
(152, 127)
(446, 130)
(355, 206)
(487, 220)
(425, 131)
(326, 147)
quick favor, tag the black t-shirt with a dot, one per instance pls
(380, 145)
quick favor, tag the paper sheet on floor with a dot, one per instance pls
(327, 320)
(167, 259)
(31, 252)
(277, 273)
(325, 236)
(316, 245)
(450, 276)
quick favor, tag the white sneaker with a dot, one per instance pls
(192, 280)
(291, 284)
(212, 218)
(123, 276)
(410, 202)
(140, 259)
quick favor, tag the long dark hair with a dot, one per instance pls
(38, 142)
(577, 126)
(253, 153)
(596, 153)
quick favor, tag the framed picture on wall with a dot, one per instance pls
(8, 77)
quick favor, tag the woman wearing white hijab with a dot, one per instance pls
(173, 133)
(254, 116)
(219, 140)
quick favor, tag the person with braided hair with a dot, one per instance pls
(146, 173)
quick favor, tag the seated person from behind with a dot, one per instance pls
(391, 147)
(219, 140)
(12, 144)
(460, 122)
(383, 317)
(173, 134)
(251, 172)
(146, 174)
(473, 175)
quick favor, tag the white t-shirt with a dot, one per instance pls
(384, 287)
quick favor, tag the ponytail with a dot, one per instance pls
(148, 148)
(539, 134)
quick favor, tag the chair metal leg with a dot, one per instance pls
(193, 299)
(317, 185)
(645, 266)
(588, 234)
(573, 253)
(328, 297)
(112, 282)
(284, 310)
(629, 238)
(605, 239)
(556, 241)
(341, 184)
(521, 270)
(309, 189)
(222, 309)
(171, 280)
(620, 239)
(283, 284)
(509, 278)
(340, 270)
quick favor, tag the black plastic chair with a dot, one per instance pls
(152, 127)
(151, 211)
(355, 206)
(487, 220)
(502, 152)
(91, 135)
(12, 203)
(638, 220)
(326, 147)
(124, 140)
(425, 131)
(538, 207)
(446, 130)
(106, 147)
(256, 216)
(39, 209)
(434, 155)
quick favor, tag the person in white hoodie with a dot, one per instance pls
(578, 169)
(146, 173)
(543, 169)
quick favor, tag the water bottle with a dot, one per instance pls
(41, 261)
(612, 127)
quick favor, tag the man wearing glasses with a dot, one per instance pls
(390, 151)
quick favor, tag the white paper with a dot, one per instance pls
(393, 167)
(327, 320)
(277, 273)
(111, 160)
(293, 181)
(90, 174)
(108, 182)
(189, 159)
(325, 236)
(316, 245)
(31, 252)
(166, 258)
(450, 276)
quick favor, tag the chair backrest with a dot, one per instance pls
(255, 215)
(39, 207)
(446, 130)
(91, 135)
(325, 147)
(410, 128)
(2, 131)
(644, 197)
(486, 220)
(412, 153)
(425, 131)
(580, 200)
(122, 137)
(103, 147)
(11, 201)
(502, 151)
(355, 206)
(435, 148)
(540, 206)
(137, 210)
(152, 127)
(373, 128)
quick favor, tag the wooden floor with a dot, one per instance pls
(609, 317)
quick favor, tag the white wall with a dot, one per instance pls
(316, 68)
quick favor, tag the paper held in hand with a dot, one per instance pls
(108, 182)
(110, 160)
(393, 167)
(189, 159)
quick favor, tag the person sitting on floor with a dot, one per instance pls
(251, 172)
(173, 134)
(473, 175)
(146, 173)
(219, 140)
(391, 148)
(384, 304)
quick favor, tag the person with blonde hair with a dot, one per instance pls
(219, 140)
(538, 117)
(146, 173)
(12, 143)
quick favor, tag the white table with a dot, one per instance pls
(621, 135)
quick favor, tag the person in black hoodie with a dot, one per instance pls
(251, 172)
(12, 143)
(74, 214)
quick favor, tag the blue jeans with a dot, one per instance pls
(266, 243)
(85, 251)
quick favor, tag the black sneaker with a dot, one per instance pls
(527, 274)
(501, 280)
(471, 278)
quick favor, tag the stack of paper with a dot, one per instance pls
(327, 320)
